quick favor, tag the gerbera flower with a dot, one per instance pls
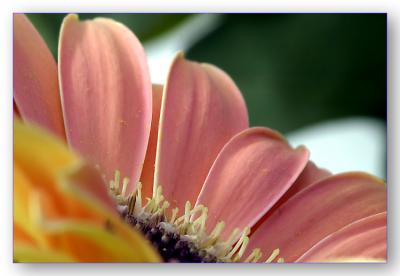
(216, 189)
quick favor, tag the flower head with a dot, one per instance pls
(217, 189)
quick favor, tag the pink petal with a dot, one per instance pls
(310, 175)
(147, 177)
(106, 93)
(250, 174)
(318, 211)
(202, 109)
(35, 78)
(89, 181)
(363, 239)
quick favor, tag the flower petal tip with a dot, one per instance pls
(180, 55)
(113, 130)
(201, 110)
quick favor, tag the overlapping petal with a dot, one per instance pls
(318, 211)
(106, 95)
(35, 78)
(201, 110)
(57, 210)
(250, 174)
(363, 239)
(310, 175)
(147, 177)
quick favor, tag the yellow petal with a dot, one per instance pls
(25, 229)
(28, 253)
(40, 154)
(54, 212)
(92, 243)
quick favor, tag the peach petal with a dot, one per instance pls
(106, 93)
(318, 211)
(87, 180)
(310, 175)
(201, 110)
(147, 177)
(35, 78)
(363, 239)
(251, 173)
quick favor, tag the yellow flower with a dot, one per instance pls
(58, 216)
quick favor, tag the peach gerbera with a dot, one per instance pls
(216, 189)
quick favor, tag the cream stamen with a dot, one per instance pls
(181, 238)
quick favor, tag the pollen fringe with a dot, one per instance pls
(191, 226)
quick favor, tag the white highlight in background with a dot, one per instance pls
(161, 50)
(353, 144)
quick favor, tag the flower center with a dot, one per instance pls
(172, 246)
(184, 238)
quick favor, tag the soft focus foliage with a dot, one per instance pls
(297, 69)
(145, 26)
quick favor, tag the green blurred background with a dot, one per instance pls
(293, 69)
